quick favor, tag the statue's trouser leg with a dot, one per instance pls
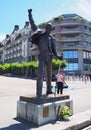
(48, 75)
(40, 78)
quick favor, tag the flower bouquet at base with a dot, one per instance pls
(65, 113)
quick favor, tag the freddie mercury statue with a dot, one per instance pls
(47, 49)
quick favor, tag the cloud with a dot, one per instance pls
(2, 37)
(83, 7)
(80, 7)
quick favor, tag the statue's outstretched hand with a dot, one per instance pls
(60, 57)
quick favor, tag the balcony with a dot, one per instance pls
(75, 30)
(64, 39)
(71, 22)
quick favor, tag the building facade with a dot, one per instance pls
(73, 38)
(16, 45)
(1, 53)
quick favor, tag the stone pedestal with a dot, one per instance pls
(44, 110)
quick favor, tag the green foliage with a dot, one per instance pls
(16, 68)
(42, 24)
(63, 64)
(25, 65)
(65, 112)
(0, 66)
(20, 68)
(33, 64)
(56, 63)
(1, 69)
(6, 67)
(61, 17)
(16, 65)
(30, 64)
(80, 18)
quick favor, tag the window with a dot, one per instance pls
(70, 27)
(71, 66)
(70, 54)
(86, 55)
(86, 66)
(69, 35)
(24, 49)
(69, 44)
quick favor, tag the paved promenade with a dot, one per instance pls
(12, 88)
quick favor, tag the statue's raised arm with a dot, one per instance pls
(33, 25)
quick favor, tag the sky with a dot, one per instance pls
(15, 12)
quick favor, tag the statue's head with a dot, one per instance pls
(48, 27)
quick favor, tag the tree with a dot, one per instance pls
(16, 68)
(55, 64)
(58, 63)
(63, 64)
(6, 67)
(25, 68)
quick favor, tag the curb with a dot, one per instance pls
(79, 126)
(76, 122)
(79, 121)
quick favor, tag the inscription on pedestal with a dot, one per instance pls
(45, 112)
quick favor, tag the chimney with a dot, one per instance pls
(26, 24)
(7, 36)
(16, 28)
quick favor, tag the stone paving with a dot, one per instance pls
(12, 88)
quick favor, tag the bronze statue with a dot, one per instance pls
(45, 42)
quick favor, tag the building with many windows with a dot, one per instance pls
(16, 45)
(72, 37)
